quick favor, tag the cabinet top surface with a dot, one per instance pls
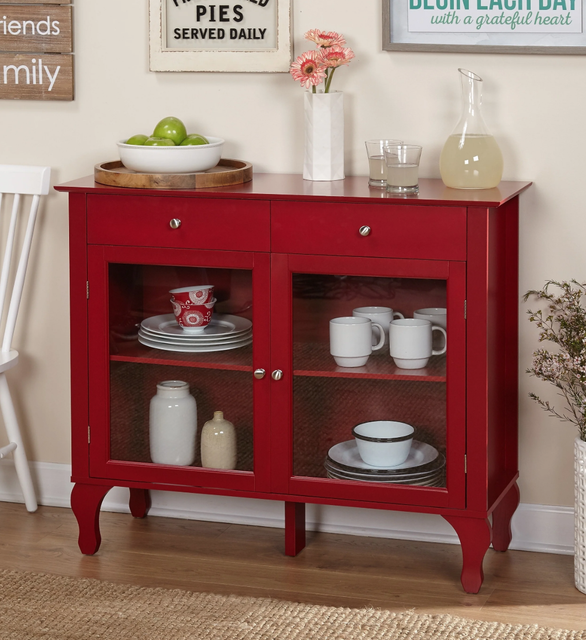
(273, 186)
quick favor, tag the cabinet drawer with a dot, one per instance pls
(206, 223)
(398, 231)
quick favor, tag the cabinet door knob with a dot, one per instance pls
(277, 374)
(175, 223)
(259, 374)
(364, 230)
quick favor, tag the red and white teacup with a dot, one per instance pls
(196, 294)
(193, 318)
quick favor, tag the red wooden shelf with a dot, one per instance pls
(315, 360)
(233, 360)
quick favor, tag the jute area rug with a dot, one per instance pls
(34, 606)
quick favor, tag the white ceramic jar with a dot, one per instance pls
(218, 443)
(173, 424)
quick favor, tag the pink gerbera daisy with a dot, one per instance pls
(308, 69)
(325, 38)
(335, 56)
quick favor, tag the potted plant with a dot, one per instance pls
(563, 324)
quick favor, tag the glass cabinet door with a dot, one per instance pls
(413, 384)
(136, 344)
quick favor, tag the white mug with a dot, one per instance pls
(410, 342)
(351, 340)
(436, 315)
(381, 315)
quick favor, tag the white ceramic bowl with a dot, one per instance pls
(383, 443)
(178, 159)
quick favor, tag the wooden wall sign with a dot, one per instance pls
(45, 29)
(228, 35)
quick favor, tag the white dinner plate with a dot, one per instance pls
(432, 475)
(437, 482)
(220, 325)
(152, 337)
(204, 348)
(416, 474)
(345, 455)
(195, 338)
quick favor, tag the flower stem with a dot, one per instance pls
(329, 80)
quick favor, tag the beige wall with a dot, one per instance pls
(533, 104)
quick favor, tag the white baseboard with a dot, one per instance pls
(542, 528)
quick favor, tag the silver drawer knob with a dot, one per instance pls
(175, 223)
(259, 374)
(277, 374)
(364, 230)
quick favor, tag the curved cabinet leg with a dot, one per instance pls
(475, 536)
(294, 527)
(86, 500)
(140, 502)
(501, 519)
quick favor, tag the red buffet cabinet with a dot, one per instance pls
(285, 256)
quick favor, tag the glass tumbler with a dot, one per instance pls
(377, 170)
(402, 161)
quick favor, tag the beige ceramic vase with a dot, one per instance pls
(218, 443)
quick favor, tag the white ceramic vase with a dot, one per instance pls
(173, 424)
(580, 514)
(324, 136)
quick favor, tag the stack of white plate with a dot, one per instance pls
(224, 332)
(424, 467)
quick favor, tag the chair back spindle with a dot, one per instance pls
(18, 284)
(18, 181)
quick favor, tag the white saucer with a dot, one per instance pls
(345, 455)
(220, 325)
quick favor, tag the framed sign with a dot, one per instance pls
(36, 46)
(485, 26)
(230, 35)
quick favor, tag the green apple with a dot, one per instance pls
(154, 141)
(139, 138)
(194, 138)
(170, 128)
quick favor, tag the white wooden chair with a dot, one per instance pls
(17, 181)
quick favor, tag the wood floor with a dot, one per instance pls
(337, 570)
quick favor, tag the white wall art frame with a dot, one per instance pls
(485, 26)
(229, 36)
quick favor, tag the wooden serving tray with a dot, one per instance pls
(227, 172)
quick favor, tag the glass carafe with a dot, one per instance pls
(471, 158)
